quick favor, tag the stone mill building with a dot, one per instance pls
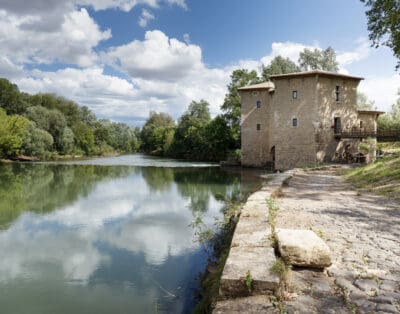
(304, 118)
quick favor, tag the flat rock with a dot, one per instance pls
(257, 260)
(253, 304)
(251, 234)
(303, 248)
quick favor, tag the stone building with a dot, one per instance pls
(304, 118)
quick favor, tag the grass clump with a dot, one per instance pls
(381, 177)
(249, 281)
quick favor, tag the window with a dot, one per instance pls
(294, 94)
(361, 124)
(258, 103)
(294, 122)
(258, 126)
(337, 93)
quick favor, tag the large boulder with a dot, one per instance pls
(303, 248)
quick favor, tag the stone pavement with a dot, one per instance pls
(363, 233)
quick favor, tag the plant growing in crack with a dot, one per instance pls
(249, 281)
(283, 271)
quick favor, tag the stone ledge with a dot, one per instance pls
(257, 260)
(253, 304)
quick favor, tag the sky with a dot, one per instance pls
(125, 58)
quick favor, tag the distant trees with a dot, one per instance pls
(12, 131)
(391, 120)
(44, 125)
(158, 133)
(317, 59)
(384, 24)
(279, 65)
(363, 103)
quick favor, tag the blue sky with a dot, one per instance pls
(123, 58)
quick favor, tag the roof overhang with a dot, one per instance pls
(371, 112)
(314, 73)
(261, 86)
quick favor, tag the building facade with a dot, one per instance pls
(298, 119)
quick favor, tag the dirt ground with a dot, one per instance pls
(363, 233)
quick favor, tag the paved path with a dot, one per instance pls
(363, 232)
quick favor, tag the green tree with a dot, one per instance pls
(12, 131)
(158, 133)
(67, 141)
(391, 120)
(84, 137)
(189, 139)
(363, 103)
(384, 24)
(219, 139)
(279, 65)
(317, 59)
(10, 98)
(36, 142)
(232, 103)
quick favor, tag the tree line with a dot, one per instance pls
(46, 126)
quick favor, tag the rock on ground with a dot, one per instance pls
(303, 248)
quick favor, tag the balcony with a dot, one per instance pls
(380, 135)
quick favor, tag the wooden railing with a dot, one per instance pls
(382, 135)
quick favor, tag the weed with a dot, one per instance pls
(284, 272)
(319, 232)
(249, 281)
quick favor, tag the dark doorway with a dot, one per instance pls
(273, 153)
(337, 126)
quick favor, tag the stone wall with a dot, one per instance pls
(255, 143)
(327, 147)
(294, 146)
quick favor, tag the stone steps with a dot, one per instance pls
(251, 251)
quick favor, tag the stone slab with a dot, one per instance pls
(259, 196)
(251, 232)
(257, 260)
(249, 305)
(255, 209)
(303, 248)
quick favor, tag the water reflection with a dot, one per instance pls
(95, 239)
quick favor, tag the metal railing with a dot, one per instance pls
(379, 134)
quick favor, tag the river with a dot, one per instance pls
(108, 235)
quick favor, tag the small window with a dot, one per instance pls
(294, 122)
(337, 93)
(294, 94)
(361, 124)
(258, 126)
(258, 103)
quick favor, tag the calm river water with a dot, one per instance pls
(107, 235)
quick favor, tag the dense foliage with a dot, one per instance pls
(45, 126)
(384, 24)
(316, 59)
(391, 120)
(279, 65)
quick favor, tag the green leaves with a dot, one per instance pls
(384, 24)
(316, 59)
(12, 130)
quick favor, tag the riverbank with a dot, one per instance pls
(23, 158)
(362, 232)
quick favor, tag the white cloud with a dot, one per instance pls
(361, 51)
(145, 17)
(157, 57)
(382, 90)
(72, 43)
(287, 49)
